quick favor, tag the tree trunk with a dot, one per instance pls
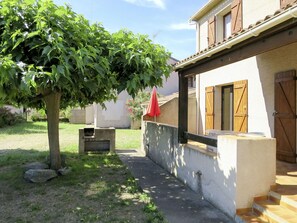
(52, 102)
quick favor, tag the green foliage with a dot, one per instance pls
(138, 62)
(38, 115)
(66, 113)
(47, 48)
(134, 105)
(8, 118)
(52, 58)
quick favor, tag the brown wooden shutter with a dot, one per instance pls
(284, 3)
(236, 16)
(285, 115)
(209, 108)
(241, 106)
(211, 31)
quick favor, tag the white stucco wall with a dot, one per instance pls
(13, 109)
(260, 72)
(242, 169)
(252, 11)
(170, 85)
(202, 32)
(115, 115)
(90, 111)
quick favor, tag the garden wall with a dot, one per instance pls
(242, 168)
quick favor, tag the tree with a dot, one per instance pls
(52, 57)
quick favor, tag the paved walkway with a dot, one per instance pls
(178, 203)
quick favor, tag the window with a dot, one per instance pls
(191, 81)
(226, 22)
(227, 25)
(227, 107)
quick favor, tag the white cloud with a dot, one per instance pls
(149, 3)
(181, 26)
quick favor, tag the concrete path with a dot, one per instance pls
(177, 202)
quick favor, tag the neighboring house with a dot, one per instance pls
(169, 110)
(15, 110)
(116, 113)
(245, 69)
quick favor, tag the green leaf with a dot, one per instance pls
(30, 35)
(29, 2)
(19, 41)
(46, 50)
(60, 70)
(60, 11)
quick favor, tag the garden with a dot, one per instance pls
(99, 187)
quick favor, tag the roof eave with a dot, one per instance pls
(204, 10)
(255, 31)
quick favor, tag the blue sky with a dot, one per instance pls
(164, 21)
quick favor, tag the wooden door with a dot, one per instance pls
(285, 116)
(240, 91)
(209, 108)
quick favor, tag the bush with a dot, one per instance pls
(65, 114)
(8, 118)
(38, 115)
(134, 105)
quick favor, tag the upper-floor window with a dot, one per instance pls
(227, 25)
(225, 22)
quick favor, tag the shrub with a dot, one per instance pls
(38, 115)
(134, 105)
(8, 118)
(65, 114)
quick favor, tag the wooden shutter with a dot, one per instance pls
(211, 31)
(285, 115)
(284, 3)
(209, 108)
(236, 16)
(241, 106)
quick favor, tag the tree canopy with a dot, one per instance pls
(51, 57)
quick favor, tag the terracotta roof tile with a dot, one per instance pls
(234, 35)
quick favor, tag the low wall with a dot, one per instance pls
(242, 168)
(78, 116)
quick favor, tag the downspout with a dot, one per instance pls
(197, 37)
(198, 103)
(291, 13)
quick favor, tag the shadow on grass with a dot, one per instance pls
(98, 188)
(25, 128)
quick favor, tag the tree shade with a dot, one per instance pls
(52, 58)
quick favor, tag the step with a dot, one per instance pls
(274, 212)
(286, 200)
(249, 216)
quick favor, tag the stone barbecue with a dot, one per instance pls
(96, 140)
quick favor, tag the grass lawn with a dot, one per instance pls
(98, 189)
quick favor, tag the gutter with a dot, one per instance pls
(286, 15)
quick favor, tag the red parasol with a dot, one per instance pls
(153, 108)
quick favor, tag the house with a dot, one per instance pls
(169, 110)
(116, 113)
(245, 69)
